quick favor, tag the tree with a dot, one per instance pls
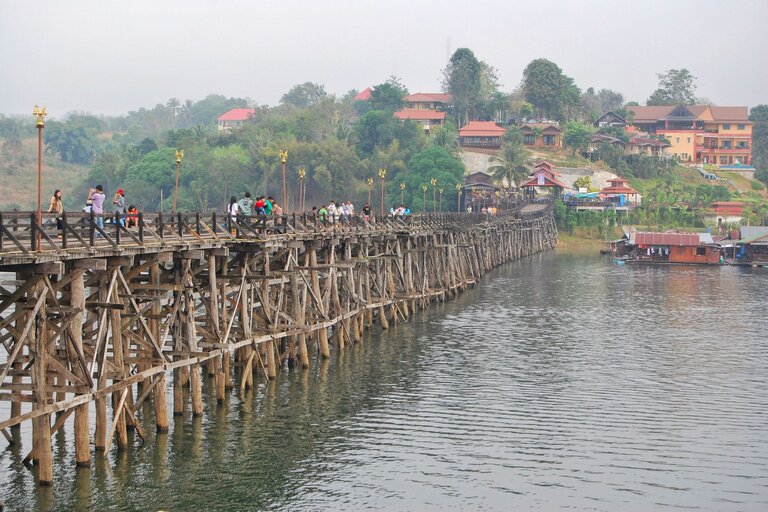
(432, 162)
(75, 142)
(462, 78)
(304, 95)
(551, 92)
(512, 162)
(228, 164)
(576, 136)
(676, 87)
(759, 116)
(446, 137)
(388, 96)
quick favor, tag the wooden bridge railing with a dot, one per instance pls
(22, 234)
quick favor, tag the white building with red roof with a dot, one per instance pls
(234, 118)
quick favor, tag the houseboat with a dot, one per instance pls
(667, 248)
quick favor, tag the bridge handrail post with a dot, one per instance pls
(117, 228)
(197, 222)
(141, 227)
(1, 231)
(64, 225)
(33, 230)
(178, 219)
(293, 219)
(214, 225)
(92, 228)
(160, 225)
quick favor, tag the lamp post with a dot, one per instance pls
(424, 198)
(179, 156)
(370, 187)
(441, 198)
(302, 172)
(433, 181)
(283, 154)
(382, 175)
(458, 197)
(40, 113)
(402, 189)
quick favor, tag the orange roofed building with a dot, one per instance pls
(481, 134)
(700, 134)
(428, 109)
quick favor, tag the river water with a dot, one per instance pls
(560, 382)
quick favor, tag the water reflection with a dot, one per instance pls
(560, 381)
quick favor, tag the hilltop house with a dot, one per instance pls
(700, 134)
(234, 118)
(610, 119)
(427, 109)
(481, 134)
(542, 135)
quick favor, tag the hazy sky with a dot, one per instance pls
(110, 56)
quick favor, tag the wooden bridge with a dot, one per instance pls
(95, 313)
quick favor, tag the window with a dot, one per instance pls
(739, 126)
(689, 140)
(723, 160)
(529, 139)
(549, 140)
(701, 251)
(726, 126)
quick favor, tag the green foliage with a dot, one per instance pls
(75, 141)
(585, 182)
(304, 95)
(552, 93)
(513, 159)
(463, 78)
(576, 136)
(432, 162)
(379, 128)
(617, 132)
(759, 116)
(446, 137)
(594, 105)
(388, 96)
(676, 87)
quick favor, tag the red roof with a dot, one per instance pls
(237, 114)
(420, 115)
(680, 239)
(546, 181)
(428, 96)
(363, 95)
(482, 129)
(618, 189)
(547, 167)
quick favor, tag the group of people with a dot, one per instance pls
(128, 217)
(246, 207)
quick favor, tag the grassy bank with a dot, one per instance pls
(587, 237)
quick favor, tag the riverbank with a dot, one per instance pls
(587, 238)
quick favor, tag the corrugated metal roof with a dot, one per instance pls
(679, 239)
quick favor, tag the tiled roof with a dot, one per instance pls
(482, 129)
(641, 141)
(419, 115)
(654, 113)
(429, 96)
(237, 114)
(363, 95)
(542, 126)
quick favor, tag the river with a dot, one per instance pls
(561, 381)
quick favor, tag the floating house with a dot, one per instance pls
(672, 248)
(752, 246)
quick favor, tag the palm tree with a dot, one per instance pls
(511, 163)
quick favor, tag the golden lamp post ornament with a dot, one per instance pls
(283, 154)
(370, 187)
(40, 113)
(402, 189)
(433, 181)
(424, 198)
(179, 156)
(301, 172)
(458, 197)
(382, 175)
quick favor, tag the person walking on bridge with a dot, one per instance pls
(244, 207)
(57, 206)
(97, 196)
